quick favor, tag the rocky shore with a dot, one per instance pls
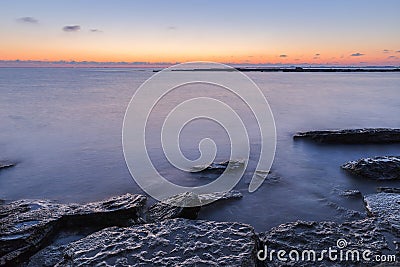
(124, 231)
(119, 234)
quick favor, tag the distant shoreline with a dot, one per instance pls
(299, 69)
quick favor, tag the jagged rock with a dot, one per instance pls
(361, 235)
(385, 206)
(351, 193)
(47, 257)
(186, 205)
(219, 167)
(5, 165)
(27, 225)
(353, 136)
(388, 190)
(177, 242)
(378, 168)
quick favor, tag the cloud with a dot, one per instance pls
(317, 55)
(28, 20)
(95, 30)
(172, 28)
(398, 51)
(386, 51)
(357, 55)
(392, 57)
(71, 28)
(283, 56)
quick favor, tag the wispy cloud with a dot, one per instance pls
(95, 30)
(172, 28)
(398, 51)
(283, 55)
(386, 51)
(392, 57)
(30, 20)
(357, 55)
(71, 28)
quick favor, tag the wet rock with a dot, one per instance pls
(300, 236)
(351, 193)
(27, 225)
(378, 168)
(186, 205)
(219, 167)
(388, 190)
(177, 242)
(385, 206)
(5, 164)
(353, 136)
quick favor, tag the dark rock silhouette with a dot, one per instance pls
(353, 136)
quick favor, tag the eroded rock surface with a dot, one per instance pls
(378, 168)
(177, 242)
(353, 136)
(361, 235)
(27, 225)
(385, 206)
(186, 205)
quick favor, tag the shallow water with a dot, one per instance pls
(63, 127)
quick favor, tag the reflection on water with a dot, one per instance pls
(63, 127)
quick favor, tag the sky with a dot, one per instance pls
(340, 32)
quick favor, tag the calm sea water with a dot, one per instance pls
(63, 127)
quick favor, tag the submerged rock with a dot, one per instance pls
(5, 165)
(378, 168)
(27, 225)
(351, 193)
(219, 167)
(353, 136)
(177, 242)
(385, 206)
(186, 205)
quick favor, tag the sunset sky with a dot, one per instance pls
(355, 32)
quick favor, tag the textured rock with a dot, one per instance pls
(385, 206)
(378, 168)
(27, 225)
(353, 136)
(177, 242)
(186, 205)
(361, 235)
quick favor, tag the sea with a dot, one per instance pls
(63, 128)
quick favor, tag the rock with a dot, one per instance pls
(351, 193)
(177, 242)
(388, 190)
(186, 205)
(353, 136)
(300, 236)
(385, 206)
(47, 257)
(27, 225)
(5, 165)
(378, 168)
(219, 167)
